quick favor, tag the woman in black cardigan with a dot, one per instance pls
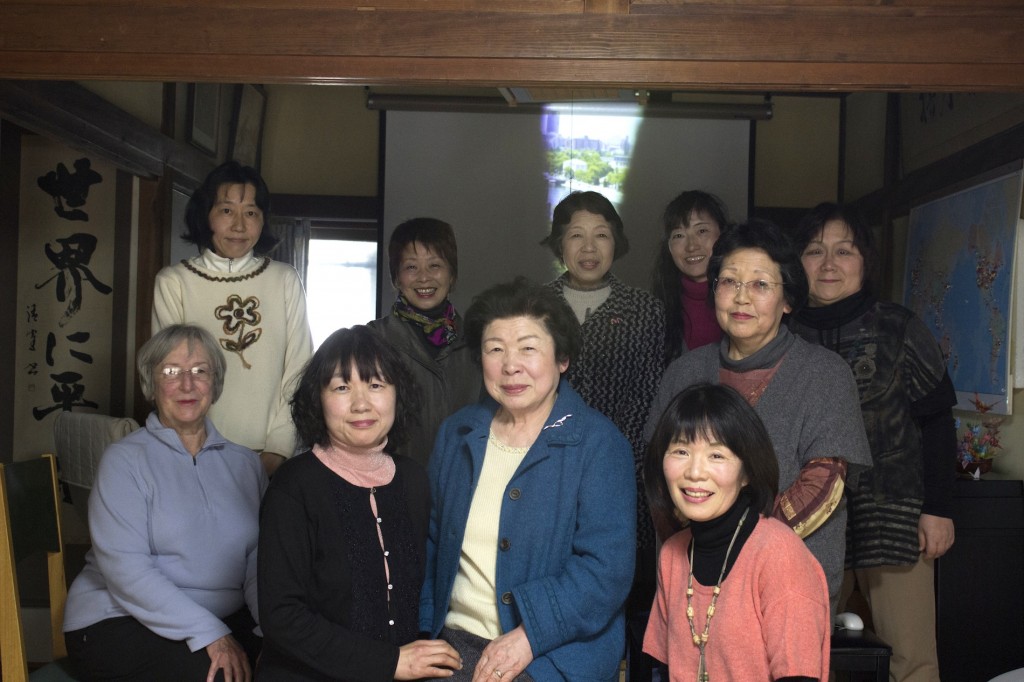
(343, 528)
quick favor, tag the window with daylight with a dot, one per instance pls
(334, 244)
(341, 278)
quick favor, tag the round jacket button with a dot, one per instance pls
(505, 544)
(515, 493)
(506, 598)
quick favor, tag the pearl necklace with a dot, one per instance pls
(701, 640)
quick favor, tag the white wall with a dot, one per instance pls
(484, 174)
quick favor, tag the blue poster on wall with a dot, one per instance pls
(959, 280)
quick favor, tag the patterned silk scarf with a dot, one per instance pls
(440, 331)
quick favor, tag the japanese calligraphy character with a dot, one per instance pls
(73, 260)
(77, 337)
(67, 393)
(72, 188)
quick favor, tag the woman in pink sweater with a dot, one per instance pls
(756, 601)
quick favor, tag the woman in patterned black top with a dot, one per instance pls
(343, 528)
(619, 366)
(899, 511)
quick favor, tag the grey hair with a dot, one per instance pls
(160, 345)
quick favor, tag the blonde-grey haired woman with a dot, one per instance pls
(169, 587)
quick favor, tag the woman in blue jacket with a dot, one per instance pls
(529, 558)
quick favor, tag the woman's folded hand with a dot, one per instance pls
(427, 658)
(227, 654)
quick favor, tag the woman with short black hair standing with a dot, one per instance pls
(253, 305)
(426, 330)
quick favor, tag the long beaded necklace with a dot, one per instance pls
(701, 640)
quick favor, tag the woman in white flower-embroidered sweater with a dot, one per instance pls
(253, 306)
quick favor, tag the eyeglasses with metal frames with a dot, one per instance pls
(756, 288)
(173, 373)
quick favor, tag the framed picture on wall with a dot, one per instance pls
(202, 123)
(247, 124)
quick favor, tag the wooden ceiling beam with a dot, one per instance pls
(748, 35)
(399, 72)
(802, 45)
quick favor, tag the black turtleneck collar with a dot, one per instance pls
(711, 539)
(836, 314)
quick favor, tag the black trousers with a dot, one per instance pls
(125, 650)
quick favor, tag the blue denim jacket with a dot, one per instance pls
(569, 515)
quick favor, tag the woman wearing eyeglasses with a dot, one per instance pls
(804, 394)
(169, 587)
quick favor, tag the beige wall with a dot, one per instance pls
(144, 101)
(317, 139)
(320, 139)
(797, 162)
(865, 144)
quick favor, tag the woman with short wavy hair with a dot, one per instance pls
(426, 330)
(169, 587)
(617, 369)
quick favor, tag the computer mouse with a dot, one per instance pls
(849, 621)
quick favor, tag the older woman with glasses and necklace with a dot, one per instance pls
(168, 591)
(804, 394)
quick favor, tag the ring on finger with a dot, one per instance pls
(498, 674)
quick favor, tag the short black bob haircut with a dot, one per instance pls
(812, 225)
(197, 213)
(768, 237)
(523, 298)
(591, 202)
(373, 357)
(717, 413)
(436, 235)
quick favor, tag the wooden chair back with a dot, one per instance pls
(29, 524)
